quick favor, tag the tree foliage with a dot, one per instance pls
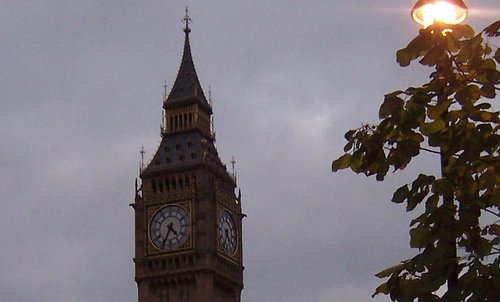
(452, 116)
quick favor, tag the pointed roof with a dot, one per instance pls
(187, 88)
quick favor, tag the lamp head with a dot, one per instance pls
(427, 12)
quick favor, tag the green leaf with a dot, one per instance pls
(409, 148)
(419, 97)
(381, 289)
(462, 31)
(471, 93)
(342, 162)
(356, 164)
(419, 219)
(452, 43)
(405, 56)
(488, 91)
(485, 116)
(422, 180)
(382, 171)
(493, 30)
(421, 43)
(392, 104)
(349, 134)
(443, 187)
(433, 127)
(418, 236)
(401, 194)
(433, 56)
(415, 200)
(456, 115)
(392, 270)
(489, 64)
(483, 106)
(492, 76)
(494, 230)
(435, 112)
(495, 198)
(431, 203)
(348, 146)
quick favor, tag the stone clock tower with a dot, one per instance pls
(188, 245)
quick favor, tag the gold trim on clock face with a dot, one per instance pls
(170, 227)
(228, 238)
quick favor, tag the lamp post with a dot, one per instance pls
(449, 116)
(426, 13)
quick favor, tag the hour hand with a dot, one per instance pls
(171, 228)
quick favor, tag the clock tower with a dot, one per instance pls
(188, 245)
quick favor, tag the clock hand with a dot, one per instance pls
(171, 228)
(166, 237)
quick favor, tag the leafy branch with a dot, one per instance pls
(450, 116)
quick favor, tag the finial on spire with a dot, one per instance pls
(142, 152)
(212, 118)
(187, 21)
(210, 95)
(165, 90)
(233, 163)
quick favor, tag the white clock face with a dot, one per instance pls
(170, 227)
(227, 233)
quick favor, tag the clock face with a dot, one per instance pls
(227, 233)
(169, 228)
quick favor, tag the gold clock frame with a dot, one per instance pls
(186, 246)
(236, 254)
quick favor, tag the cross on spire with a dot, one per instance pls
(187, 21)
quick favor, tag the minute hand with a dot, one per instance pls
(166, 237)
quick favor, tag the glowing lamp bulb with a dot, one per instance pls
(427, 12)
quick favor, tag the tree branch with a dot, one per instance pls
(429, 150)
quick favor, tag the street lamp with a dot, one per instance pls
(426, 12)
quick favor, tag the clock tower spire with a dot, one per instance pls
(188, 245)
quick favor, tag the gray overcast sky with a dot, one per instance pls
(81, 86)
